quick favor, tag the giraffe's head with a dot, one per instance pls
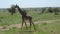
(16, 6)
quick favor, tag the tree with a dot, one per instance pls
(50, 10)
(12, 10)
(43, 9)
(56, 11)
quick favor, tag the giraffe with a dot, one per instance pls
(25, 17)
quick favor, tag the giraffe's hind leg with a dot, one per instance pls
(33, 25)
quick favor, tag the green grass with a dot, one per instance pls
(45, 16)
(8, 19)
(43, 28)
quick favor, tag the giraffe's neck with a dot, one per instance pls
(20, 10)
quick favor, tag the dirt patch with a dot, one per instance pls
(19, 25)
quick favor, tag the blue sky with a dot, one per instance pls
(30, 3)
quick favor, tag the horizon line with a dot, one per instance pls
(33, 7)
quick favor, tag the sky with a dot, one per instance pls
(30, 3)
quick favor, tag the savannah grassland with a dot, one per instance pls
(47, 23)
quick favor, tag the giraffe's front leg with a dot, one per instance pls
(30, 24)
(25, 25)
(22, 24)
